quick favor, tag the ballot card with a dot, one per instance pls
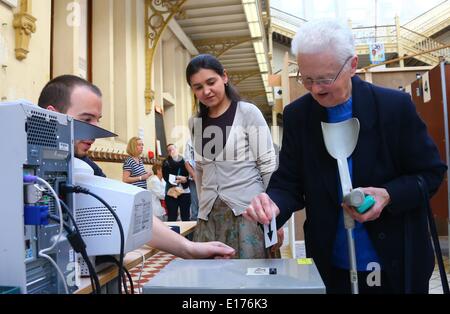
(270, 233)
(172, 179)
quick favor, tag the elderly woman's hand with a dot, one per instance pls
(382, 199)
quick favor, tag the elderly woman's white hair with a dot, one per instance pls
(324, 35)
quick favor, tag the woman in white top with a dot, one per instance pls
(157, 185)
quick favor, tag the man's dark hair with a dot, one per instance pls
(57, 92)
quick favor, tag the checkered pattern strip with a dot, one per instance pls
(152, 266)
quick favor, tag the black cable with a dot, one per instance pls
(79, 189)
(109, 258)
(69, 232)
(130, 279)
(79, 246)
(67, 211)
(92, 273)
(95, 284)
(434, 234)
(122, 235)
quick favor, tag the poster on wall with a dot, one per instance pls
(377, 55)
(408, 89)
(158, 148)
(11, 3)
(426, 87)
(161, 141)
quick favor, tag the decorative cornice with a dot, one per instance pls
(237, 77)
(253, 94)
(218, 46)
(158, 14)
(24, 24)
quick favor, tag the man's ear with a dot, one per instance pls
(51, 108)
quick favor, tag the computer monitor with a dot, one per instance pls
(97, 225)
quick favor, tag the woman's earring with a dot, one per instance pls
(227, 85)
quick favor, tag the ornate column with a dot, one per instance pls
(24, 24)
(158, 14)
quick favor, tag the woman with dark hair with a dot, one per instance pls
(234, 159)
(178, 194)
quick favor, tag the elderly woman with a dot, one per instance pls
(393, 249)
(133, 167)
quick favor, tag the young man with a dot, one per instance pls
(81, 99)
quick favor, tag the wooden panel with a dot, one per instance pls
(432, 114)
(161, 133)
(300, 217)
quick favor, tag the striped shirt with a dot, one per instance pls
(136, 170)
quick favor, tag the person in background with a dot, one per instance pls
(133, 167)
(176, 176)
(190, 166)
(392, 243)
(82, 100)
(235, 159)
(157, 185)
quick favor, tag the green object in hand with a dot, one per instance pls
(369, 201)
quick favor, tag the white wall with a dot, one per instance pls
(24, 79)
(118, 68)
(278, 56)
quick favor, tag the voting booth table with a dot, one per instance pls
(237, 276)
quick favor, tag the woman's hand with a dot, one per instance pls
(181, 179)
(382, 199)
(261, 209)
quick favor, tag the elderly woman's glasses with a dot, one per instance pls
(308, 82)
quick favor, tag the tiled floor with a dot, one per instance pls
(435, 282)
(151, 267)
